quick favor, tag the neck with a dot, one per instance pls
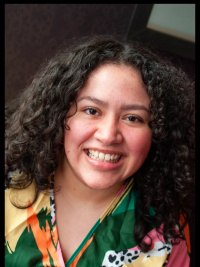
(75, 191)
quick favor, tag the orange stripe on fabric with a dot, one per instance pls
(42, 237)
(75, 261)
(187, 232)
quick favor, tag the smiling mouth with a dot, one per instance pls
(94, 154)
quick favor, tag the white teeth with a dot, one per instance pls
(107, 157)
(95, 153)
(103, 157)
(112, 157)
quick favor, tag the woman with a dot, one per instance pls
(98, 161)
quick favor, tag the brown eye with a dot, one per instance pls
(91, 111)
(134, 119)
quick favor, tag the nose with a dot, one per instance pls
(108, 131)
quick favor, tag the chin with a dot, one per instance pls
(103, 185)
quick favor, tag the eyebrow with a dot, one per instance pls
(95, 100)
(105, 104)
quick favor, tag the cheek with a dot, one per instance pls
(78, 132)
(140, 142)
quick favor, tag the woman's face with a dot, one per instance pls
(109, 136)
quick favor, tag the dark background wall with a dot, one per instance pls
(33, 32)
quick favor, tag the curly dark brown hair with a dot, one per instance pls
(35, 131)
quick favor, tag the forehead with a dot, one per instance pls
(120, 71)
(114, 82)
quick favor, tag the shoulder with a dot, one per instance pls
(18, 219)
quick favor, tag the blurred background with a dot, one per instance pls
(34, 32)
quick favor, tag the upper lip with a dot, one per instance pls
(105, 151)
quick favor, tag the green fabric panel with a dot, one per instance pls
(26, 251)
(127, 204)
(89, 235)
(152, 211)
(114, 233)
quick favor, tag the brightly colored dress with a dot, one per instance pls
(31, 237)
